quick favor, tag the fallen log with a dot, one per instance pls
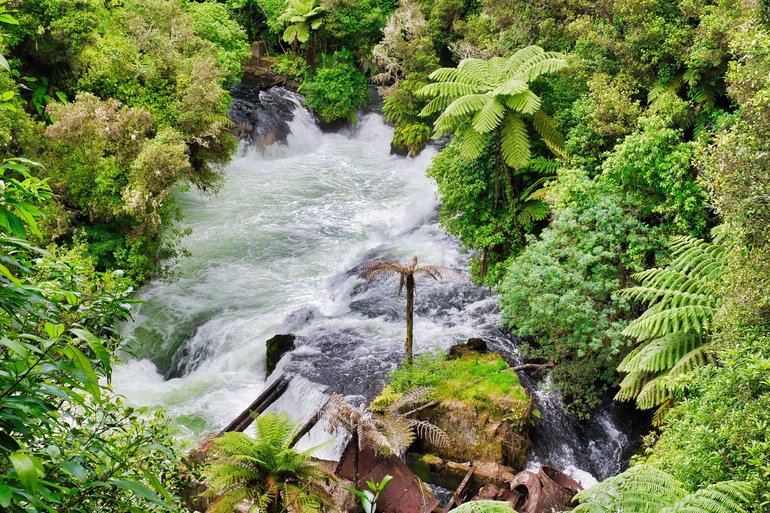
(268, 396)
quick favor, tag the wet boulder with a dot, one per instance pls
(275, 348)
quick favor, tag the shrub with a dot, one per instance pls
(337, 90)
(560, 292)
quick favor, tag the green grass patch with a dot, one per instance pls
(485, 381)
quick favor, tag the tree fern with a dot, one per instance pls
(681, 301)
(646, 489)
(485, 507)
(264, 470)
(482, 96)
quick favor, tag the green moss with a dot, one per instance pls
(485, 381)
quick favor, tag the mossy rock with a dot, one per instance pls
(481, 405)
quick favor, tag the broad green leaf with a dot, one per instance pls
(7, 18)
(96, 345)
(75, 469)
(27, 469)
(90, 384)
(5, 495)
(4, 63)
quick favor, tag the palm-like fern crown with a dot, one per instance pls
(376, 269)
(681, 299)
(481, 96)
(646, 489)
(302, 17)
(264, 469)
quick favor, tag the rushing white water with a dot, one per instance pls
(280, 238)
(278, 250)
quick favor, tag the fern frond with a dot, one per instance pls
(430, 432)
(640, 489)
(699, 356)
(471, 144)
(723, 497)
(548, 62)
(450, 89)
(514, 141)
(475, 69)
(543, 166)
(547, 127)
(656, 323)
(522, 56)
(662, 353)
(412, 397)
(660, 414)
(526, 102)
(533, 211)
(484, 507)
(631, 385)
(437, 104)
(498, 68)
(653, 393)
(465, 106)
(444, 75)
(489, 117)
(510, 87)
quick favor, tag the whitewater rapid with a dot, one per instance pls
(280, 238)
(278, 250)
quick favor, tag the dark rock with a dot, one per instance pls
(474, 345)
(477, 344)
(399, 149)
(276, 347)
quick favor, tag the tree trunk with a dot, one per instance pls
(409, 316)
(310, 53)
(354, 441)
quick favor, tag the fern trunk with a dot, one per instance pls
(409, 317)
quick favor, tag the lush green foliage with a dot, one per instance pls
(265, 470)
(644, 489)
(337, 90)
(561, 291)
(212, 22)
(67, 443)
(719, 428)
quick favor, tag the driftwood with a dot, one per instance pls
(420, 408)
(457, 495)
(532, 366)
(312, 421)
(548, 490)
(260, 404)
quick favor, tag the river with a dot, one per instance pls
(278, 250)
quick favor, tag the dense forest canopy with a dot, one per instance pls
(608, 171)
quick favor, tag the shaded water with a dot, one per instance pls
(278, 250)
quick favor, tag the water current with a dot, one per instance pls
(278, 250)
